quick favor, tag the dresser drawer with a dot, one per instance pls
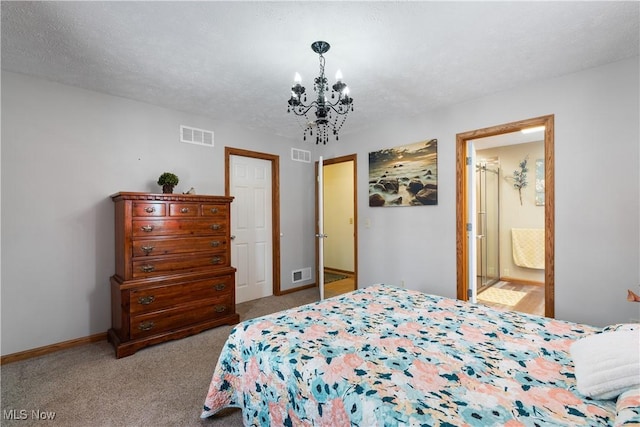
(154, 247)
(165, 320)
(184, 227)
(183, 209)
(215, 210)
(159, 266)
(160, 297)
(149, 209)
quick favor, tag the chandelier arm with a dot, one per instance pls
(304, 109)
(339, 110)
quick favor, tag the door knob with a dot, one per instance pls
(233, 237)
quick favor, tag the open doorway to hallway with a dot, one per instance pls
(339, 210)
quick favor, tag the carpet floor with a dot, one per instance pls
(162, 385)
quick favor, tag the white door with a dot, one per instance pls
(321, 236)
(252, 246)
(472, 228)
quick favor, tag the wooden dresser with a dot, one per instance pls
(173, 275)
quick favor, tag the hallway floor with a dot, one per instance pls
(339, 287)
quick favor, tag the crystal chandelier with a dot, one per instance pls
(330, 114)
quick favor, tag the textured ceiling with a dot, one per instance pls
(235, 61)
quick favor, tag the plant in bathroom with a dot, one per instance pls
(520, 177)
(168, 180)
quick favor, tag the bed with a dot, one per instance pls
(387, 356)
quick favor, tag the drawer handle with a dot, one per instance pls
(221, 308)
(146, 326)
(147, 268)
(150, 209)
(214, 210)
(147, 228)
(215, 226)
(147, 249)
(216, 260)
(220, 286)
(184, 210)
(215, 243)
(146, 300)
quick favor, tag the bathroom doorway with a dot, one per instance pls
(467, 223)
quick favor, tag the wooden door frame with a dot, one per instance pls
(462, 194)
(343, 159)
(275, 203)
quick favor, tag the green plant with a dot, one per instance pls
(168, 178)
(520, 177)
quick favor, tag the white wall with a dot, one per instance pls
(64, 152)
(597, 192)
(338, 216)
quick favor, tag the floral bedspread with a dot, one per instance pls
(386, 356)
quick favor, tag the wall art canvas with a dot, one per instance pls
(406, 175)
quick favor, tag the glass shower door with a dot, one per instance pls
(488, 224)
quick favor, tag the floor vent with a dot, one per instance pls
(300, 275)
(196, 136)
(298, 155)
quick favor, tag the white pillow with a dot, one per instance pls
(607, 363)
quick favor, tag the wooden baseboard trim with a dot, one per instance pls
(41, 351)
(521, 281)
(337, 270)
(300, 288)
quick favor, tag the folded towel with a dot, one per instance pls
(528, 247)
(607, 364)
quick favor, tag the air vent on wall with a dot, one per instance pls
(300, 155)
(300, 275)
(196, 136)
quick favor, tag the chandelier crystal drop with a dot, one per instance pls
(330, 110)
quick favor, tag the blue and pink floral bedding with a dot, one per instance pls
(385, 356)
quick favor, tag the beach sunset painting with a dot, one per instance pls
(406, 175)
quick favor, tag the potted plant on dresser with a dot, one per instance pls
(168, 181)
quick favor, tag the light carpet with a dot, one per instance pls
(162, 385)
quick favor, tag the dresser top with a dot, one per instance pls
(163, 197)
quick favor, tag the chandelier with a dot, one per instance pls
(330, 113)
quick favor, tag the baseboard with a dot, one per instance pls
(52, 348)
(521, 281)
(41, 351)
(337, 270)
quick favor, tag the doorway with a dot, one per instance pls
(467, 225)
(260, 269)
(338, 263)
